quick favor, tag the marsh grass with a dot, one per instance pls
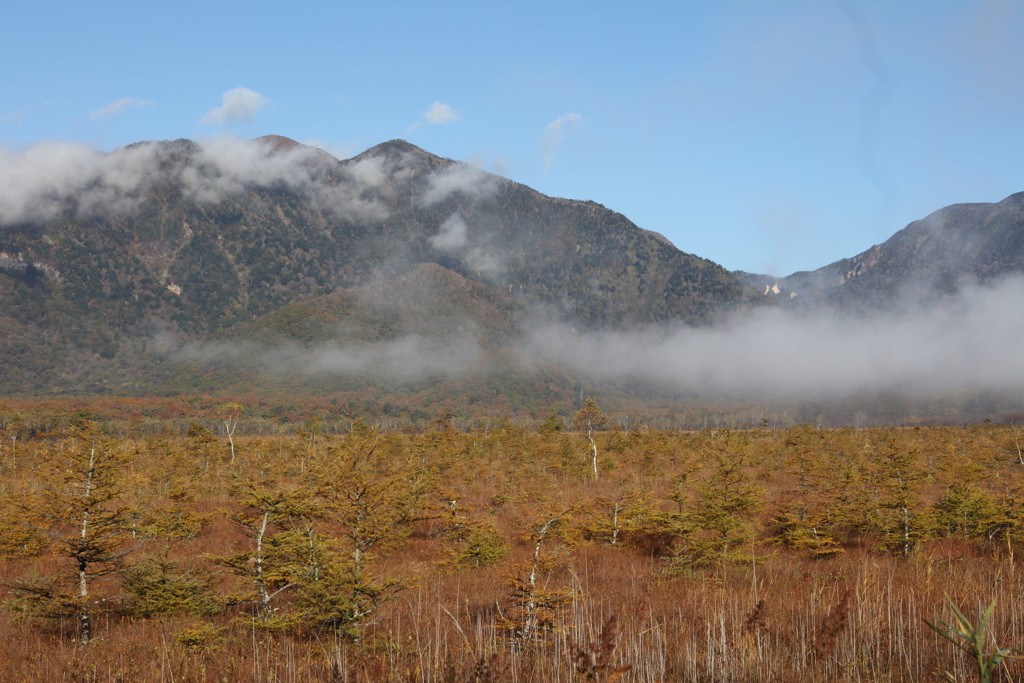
(791, 616)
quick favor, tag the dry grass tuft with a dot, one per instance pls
(596, 661)
(757, 620)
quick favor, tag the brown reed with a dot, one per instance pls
(835, 622)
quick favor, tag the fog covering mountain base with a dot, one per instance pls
(161, 264)
(968, 340)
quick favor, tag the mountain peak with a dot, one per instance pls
(1015, 200)
(396, 146)
(397, 150)
(275, 144)
(278, 142)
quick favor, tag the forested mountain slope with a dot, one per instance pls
(117, 260)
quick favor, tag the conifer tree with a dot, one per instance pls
(803, 520)
(477, 543)
(80, 507)
(722, 517)
(619, 506)
(269, 565)
(161, 586)
(552, 423)
(370, 500)
(966, 508)
(899, 514)
(373, 499)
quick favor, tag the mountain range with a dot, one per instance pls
(239, 267)
(930, 258)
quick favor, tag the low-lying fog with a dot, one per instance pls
(971, 340)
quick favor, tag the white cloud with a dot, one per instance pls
(238, 105)
(119, 106)
(38, 183)
(465, 178)
(14, 116)
(555, 134)
(437, 114)
(454, 234)
(454, 237)
(229, 165)
(441, 113)
(484, 261)
(404, 358)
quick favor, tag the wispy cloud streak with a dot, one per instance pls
(118, 106)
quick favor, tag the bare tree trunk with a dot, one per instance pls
(530, 606)
(530, 622)
(260, 583)
(229, 427)
(615, 523)
(906, 532)
(593, 448)
(83, 610)
(83, 564)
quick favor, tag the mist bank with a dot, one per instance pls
(968, 340)
(407, 358)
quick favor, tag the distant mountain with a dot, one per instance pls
(114, 268)
(930, 258)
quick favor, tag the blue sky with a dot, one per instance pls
(769, 136)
